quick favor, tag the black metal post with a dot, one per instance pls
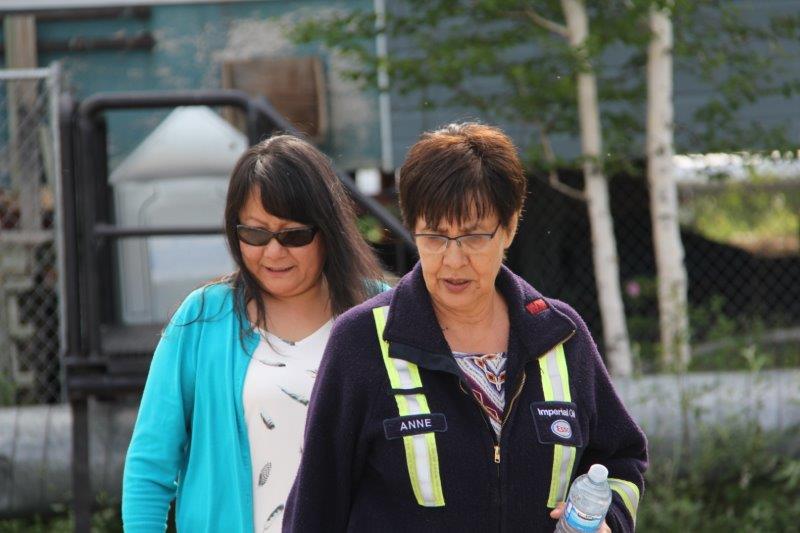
(254, 127)
(82, 495)
(69, 274)
(89, 143)
(81, 482)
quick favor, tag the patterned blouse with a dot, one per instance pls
(486, 376)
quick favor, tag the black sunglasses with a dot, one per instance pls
(290, 238)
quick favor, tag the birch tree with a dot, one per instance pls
(604, 246)
(516, 62)
(670, 268)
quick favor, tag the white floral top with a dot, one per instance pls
(276, 391)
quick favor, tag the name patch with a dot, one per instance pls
(404, 426)
(557, 423)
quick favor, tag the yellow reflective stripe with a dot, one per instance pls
(411, 464)
(561, 362)
(568, 462)
(402, 405)
(416, 459)
(437, 498)
(436, 480)
(547, 386)
(409, 374)
(422, 458)
(558, 452)
(423, 474)
(555, 376)
(555, 385)
(402, 374)
(380, 323)
(629, 493)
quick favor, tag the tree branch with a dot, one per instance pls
(552, 177)
(549, 25)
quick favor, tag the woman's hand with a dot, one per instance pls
(559, 510)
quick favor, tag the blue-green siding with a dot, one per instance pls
(190, 39)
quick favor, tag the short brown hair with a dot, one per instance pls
(459, 171)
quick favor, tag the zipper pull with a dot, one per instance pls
(497, 453)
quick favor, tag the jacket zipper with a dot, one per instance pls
(496, 447)
(508, 412)
(514, 399)
(483, 415)
(496, 455)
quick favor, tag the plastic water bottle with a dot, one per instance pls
(587, 503)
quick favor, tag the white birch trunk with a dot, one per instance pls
(670, 268)
(604, 245)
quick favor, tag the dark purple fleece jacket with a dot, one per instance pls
(352, 478)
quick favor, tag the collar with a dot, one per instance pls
(414, 333)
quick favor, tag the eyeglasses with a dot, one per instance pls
(431, 243)
(290, 238)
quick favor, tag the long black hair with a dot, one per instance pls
(295, 181)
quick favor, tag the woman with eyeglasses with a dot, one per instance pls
(220, 424)
(462, 399)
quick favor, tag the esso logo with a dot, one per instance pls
(561, 428)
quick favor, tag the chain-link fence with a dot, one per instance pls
(741, 239)
(29, 308)
(742, 248)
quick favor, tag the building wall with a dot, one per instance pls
(410, 116)
(193, 39)
(191, 42)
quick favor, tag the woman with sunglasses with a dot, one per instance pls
(462, 399)
(220, 424)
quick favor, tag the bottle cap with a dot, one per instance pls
(598, 473)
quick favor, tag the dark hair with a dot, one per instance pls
(296, 182)
(459, 171)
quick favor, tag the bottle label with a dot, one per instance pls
(581, 521)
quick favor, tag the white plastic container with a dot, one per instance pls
(177, 176)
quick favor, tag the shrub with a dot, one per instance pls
(739, 479)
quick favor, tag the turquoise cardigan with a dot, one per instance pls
(190, 440)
